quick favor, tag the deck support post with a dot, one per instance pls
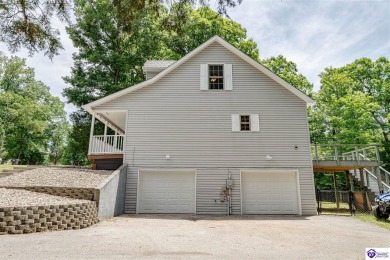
(347, 185)
(379, 178)
(91, 133)
(367, 179)
(316, 152)
(357, 154)
(335, 190)
(378, 157)
(352, 187)
(362, 177)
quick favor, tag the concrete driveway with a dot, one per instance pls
(203, 237)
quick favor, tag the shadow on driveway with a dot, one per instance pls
(192, 217)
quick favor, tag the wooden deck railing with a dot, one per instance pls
(106, 144)
(345, 152)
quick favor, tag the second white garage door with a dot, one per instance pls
(272, 192)
(166, 191)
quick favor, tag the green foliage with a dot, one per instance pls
(77, 143)
(59, 132)
(27, 111)
(3, 152)
(288, 71)
(353, 105)
(202, 24)
(29, 23)
(324, 181)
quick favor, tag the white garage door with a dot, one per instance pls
(273, 192)
(163, 191)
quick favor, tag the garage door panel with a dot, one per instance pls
(166, 192)
(269, 192)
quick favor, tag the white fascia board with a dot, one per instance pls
(89, 107)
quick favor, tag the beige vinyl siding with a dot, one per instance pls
(194, 127)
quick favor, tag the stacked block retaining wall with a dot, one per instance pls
(30, 219)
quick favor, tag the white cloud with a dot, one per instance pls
(317, 34)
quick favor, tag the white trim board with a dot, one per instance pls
(89, 107)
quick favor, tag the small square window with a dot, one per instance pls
(215, 76)
(245, 124)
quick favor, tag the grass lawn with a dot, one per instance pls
(369, 217)
(10, 166)
(332, 205)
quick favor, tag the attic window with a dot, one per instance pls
(215, 76)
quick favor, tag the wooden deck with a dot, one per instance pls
(341, 166)
(344, 157)
(104, 156)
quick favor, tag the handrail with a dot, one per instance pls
(106, 144)
(368, 145)
(386, 182)
(343, 152)
(373, 175)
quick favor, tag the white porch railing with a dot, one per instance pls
(106, 144)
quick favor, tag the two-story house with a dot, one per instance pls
(212, 133)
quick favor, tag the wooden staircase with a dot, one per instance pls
(361, 162)
(369, 181)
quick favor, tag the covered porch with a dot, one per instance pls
(107, 139)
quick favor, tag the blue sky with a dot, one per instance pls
(313, 34)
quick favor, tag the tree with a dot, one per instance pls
(288, 71)
(110, 59)
(78, 139)
(353, 104)
(27, 110)
(59, 132)
(202, 24)
(2, 138)
(29, 23)
(373, 79)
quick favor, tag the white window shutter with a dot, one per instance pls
(204, 77)
(228, 79)
(255, 122)
(235, 123)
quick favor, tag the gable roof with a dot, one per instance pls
(176, 64)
